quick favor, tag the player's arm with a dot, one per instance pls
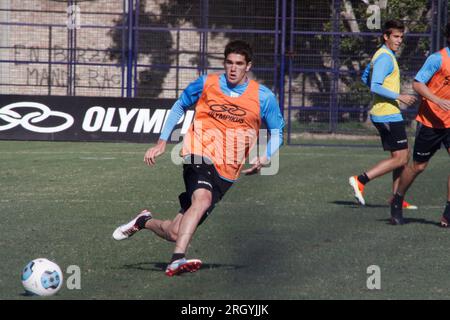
(365, 78)
(424, 91)
(430, 67)
(383, 67)
(270, 113)
(188, 98)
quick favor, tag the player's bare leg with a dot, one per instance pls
(409, 174)
(398, 159)
(445, 220)
(395, 183)
(201, 201)
(396, 178)
(166, 229)
(395, 163)
(448, 189)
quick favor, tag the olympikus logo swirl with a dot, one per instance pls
(230, 108)
(228, 112)
(30, 120)
(447, 81)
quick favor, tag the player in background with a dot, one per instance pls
(432, 82)
(224, 103)
(382, 75)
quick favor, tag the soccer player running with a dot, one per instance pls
(433, 127)
(382, 75)
(228, 103)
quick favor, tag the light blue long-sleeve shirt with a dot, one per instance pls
(430, 67)
(374, 77)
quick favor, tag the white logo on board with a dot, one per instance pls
(30, 121)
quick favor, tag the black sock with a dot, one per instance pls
(447, 209)
(141, 221)
(397, 202)
(363, 178)
(177, 256)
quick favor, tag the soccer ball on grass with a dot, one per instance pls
(42, 277)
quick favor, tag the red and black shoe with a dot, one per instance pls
(396, 215)
(183, 265)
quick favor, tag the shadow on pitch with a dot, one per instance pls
(161, 266)
(353, 204)
(414, 220)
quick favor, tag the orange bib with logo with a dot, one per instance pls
(225, 128)
(430, 114)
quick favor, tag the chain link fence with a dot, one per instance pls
(331, 44)
(310, 53)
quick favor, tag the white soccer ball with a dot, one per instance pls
(42, 277)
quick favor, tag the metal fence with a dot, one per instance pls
(330, 45)
(311, 53)
(44, 49)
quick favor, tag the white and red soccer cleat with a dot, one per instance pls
(127, 230)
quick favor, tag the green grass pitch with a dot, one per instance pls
(295, 235)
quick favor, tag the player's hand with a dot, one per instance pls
(407, 99)
(257, 164)
(156, 151)
(444, 104)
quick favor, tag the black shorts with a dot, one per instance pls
(428, 141)
(393, 135)
(201, 175)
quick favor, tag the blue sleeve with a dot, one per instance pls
(271, 115)
(192, 93)
(382, 67)
(366, 76)
(188, 98)
(429, 68)
(175, 114)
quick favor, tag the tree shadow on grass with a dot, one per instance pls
(414, 220)
(353, 204)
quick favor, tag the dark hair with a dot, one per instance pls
(393, 24)
(239, 47)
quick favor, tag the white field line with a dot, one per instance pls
(71, 152)
(81, 200)
(98, 158)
